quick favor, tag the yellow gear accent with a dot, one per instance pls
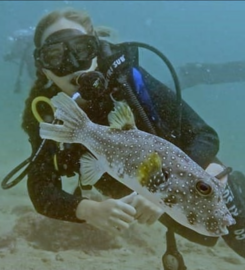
(34, 106)
(34, 103)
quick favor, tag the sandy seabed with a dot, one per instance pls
(29, 241)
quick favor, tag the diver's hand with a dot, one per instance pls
(214, 169)
(113, 216)
(147, 212)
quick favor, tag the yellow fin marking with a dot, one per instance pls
(151, 165)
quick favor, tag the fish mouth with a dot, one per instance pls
(218, 231)
(199, 227)
(222, 231)
(228, 220)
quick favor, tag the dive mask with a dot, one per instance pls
(67, 51)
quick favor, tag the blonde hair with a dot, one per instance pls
(79, 16)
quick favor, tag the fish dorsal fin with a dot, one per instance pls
(122, 116)
(91, 169)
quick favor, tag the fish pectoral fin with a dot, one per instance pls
(122, 116)
(91, 169)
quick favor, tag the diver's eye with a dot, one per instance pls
(203, 188)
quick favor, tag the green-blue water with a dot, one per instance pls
(185, 31)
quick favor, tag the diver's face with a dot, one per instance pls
(64, 80)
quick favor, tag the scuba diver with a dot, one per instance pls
(21, 53)
(71, 57)
(192, 74)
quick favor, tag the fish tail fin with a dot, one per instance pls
(73, 118)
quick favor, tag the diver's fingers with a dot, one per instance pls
(149, 218)
(129, 198)
(125, 207)
(147, 212)
(119, 224)
(153, 218)
(214, 169)
(141, 210)
(125, 217)
(143, 218)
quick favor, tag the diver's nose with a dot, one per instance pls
(73, 59)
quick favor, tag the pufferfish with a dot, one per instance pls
(148, 164)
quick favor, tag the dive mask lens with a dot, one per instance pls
(68, 55)
(84, 47)
(51, 56)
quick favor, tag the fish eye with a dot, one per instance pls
(203, 188)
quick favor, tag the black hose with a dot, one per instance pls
(5, 182)
(173, 74)
(135, 103)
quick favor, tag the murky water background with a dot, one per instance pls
(185, 31)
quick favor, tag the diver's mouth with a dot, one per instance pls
(228, 220)
(76, 76)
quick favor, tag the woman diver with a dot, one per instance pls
(71, 56)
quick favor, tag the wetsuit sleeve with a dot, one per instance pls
(197, 139)
(45, 188)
